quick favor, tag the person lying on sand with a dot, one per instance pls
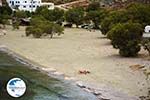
(84, 72)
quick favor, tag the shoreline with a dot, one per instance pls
(102, 93)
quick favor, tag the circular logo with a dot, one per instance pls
(16, 87)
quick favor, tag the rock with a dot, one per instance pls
(69, 78)
(87, 90)
(97, 92)
(58, 73)
(49, 69)
(91, 89)
(104, 99)
(80, 84)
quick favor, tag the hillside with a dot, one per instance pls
(58, 1)
(104, 1)
(54, 1)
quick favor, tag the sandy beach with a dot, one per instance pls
(79, 49)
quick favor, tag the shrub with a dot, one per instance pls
(20, 14)
(135, 12)
(139, 12)
(75, 16)
(113, 18)
(51, 15)
(56, 15)
(96, 17)
(28, 30)
(126, 37)
(37, 32)
(42, 27)
(146, 45)
(5, 14)
(15, 24)
(93, 6)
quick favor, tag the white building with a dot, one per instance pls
(28, 5)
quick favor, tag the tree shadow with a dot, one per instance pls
(102, 37)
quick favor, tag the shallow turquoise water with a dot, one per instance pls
(39, 85)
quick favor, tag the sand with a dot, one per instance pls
(80, 49)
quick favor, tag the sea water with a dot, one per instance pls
(39, 85)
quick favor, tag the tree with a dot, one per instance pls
(37, 32)
(4, 20)
(75, 16)
(93, 6)
(139, 12)
(146, 45)
(5, 10)
(15, 24)
(5, 14)
(126, 37)
(113, 18)
(57, 29)
(96, 16)
(56, 15)
(51, 29)
(38, 21)
(29, 30)
(51, 15)
(29, 14)
(20, 14)
(42, 27)
(42, 11)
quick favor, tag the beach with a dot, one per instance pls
(79, 49)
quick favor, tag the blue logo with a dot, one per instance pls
(16, 87)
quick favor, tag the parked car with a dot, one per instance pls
(85, 26)
(68, 25)
(25, 21)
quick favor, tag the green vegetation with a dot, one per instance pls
(146, 45)
(46, 22)
(5, 13)
(138, 13)
(15, 24)
(118, 25)
(96, 16)
(56, 15)
(20, 14)
(75, 16)
(42, 27)
(93, 6)
(17, 16)
(126, 37)
(113, 18)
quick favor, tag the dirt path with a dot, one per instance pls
(79, 49)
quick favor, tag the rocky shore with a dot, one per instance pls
(102, 93)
